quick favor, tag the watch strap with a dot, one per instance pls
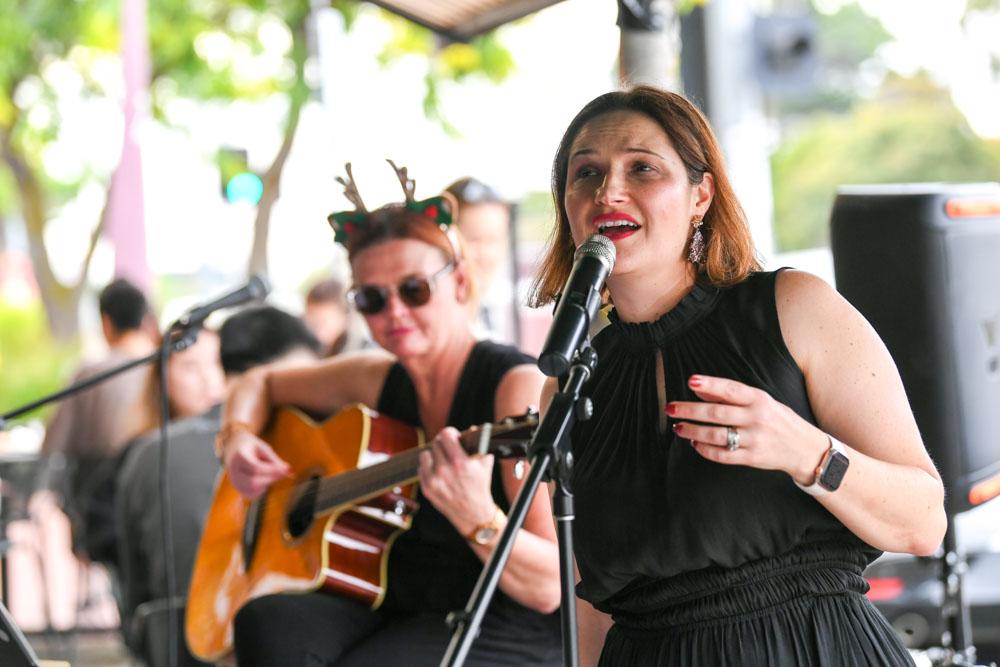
(494, 524)
(817, 489)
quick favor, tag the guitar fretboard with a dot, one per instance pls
(349, 487)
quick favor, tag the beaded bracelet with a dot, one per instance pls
(226, 432)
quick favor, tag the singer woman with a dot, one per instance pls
(411, 285)
(752, 448)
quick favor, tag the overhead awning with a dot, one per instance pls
(461, 20)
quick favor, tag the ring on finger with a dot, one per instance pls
(732, 439)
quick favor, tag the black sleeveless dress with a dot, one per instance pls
(700, 563)
(431, 566)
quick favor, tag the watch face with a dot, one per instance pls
(833, 472)
(484, 535)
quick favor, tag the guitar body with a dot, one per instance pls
(275, 545)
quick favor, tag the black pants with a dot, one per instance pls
(323, 630)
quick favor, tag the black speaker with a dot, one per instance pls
(922, 264)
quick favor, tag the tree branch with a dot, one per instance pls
(95, 236)
(32, 208)
(297, 98)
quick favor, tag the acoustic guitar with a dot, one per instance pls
(329, 525)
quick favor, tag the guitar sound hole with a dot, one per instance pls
(300, 516)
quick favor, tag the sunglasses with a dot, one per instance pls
(414, 291)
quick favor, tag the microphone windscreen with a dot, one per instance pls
(598, 246)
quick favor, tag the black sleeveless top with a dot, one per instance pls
(431, 566)
(648, 506)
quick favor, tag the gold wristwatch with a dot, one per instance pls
(485, 532)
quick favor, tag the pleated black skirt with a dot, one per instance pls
(804, 608)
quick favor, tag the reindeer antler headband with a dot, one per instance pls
(439, 209)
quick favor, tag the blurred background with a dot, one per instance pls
(186, 144)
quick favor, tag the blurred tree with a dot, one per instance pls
(455, 62)
(35, 37)
(982, 5)
(912, 132)
(200, 50)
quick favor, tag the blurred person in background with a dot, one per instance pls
(195, 383)
(484, 220)
(412, 285)
(82, 441)
(247, 339)
(327, 314)
(91, 428)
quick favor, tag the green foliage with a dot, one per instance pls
(849, 36)
(982, 6)
(688, 6)
(349, 11)
(911, 133)
(485, 56)
(200, 50)
(8, 201)
(407, 38)
(31, 363)
(35, 36)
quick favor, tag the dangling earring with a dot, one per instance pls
(696, 251)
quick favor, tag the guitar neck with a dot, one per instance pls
(350, 487)
(506, 440)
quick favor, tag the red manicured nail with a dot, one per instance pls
(670, 409)
(695, 381)
(676, 427)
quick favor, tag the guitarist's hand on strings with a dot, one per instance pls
(457, 484)
(252, 464)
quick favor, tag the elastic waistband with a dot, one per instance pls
(717, 594)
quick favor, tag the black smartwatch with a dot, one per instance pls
(831, 470)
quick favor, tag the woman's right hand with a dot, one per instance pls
(252, 464)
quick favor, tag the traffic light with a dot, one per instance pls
(238, 182)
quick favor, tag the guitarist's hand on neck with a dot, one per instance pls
(457, 484)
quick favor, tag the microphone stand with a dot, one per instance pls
(550, 458)
(179, 343)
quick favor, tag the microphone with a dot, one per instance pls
(578, 304)
(256, 288)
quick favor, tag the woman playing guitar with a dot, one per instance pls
(412, 287)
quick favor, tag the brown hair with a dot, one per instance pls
(396, 221)
(730, 256)
(144, 414)
(328, 290)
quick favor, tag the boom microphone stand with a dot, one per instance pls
(552, 459)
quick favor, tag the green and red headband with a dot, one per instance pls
(439, 209)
